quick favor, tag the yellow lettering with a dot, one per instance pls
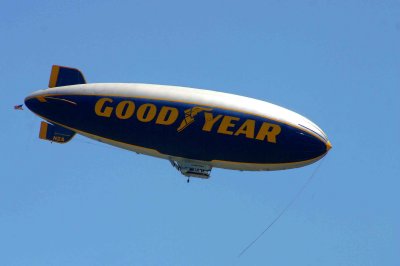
(100, 111)
(209, 121)
(167, 116)
(146, 112)
(226, 124)
(270, 131)
(125, 109)
(247, 128)
(58, 139)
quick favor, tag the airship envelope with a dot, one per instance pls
(194, 129)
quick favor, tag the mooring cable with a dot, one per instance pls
(284, 210)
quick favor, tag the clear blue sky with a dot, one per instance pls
(85, 203)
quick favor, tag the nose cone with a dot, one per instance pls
(328, 146)
(309, 144)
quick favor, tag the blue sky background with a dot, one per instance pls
(85, 203)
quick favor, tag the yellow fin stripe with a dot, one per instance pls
(54, 76)
(43, 130)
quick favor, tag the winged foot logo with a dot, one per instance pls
(189, 116)
(168, 116)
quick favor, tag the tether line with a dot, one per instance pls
(284, 210)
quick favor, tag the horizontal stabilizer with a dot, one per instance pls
(55, 133)
(64, 76)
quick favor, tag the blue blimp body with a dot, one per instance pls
(194, 129)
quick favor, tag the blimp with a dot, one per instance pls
(194, 129)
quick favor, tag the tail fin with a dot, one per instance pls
(55, 133)
(64, 76)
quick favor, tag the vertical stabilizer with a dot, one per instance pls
(55, 133)
(64, 76)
